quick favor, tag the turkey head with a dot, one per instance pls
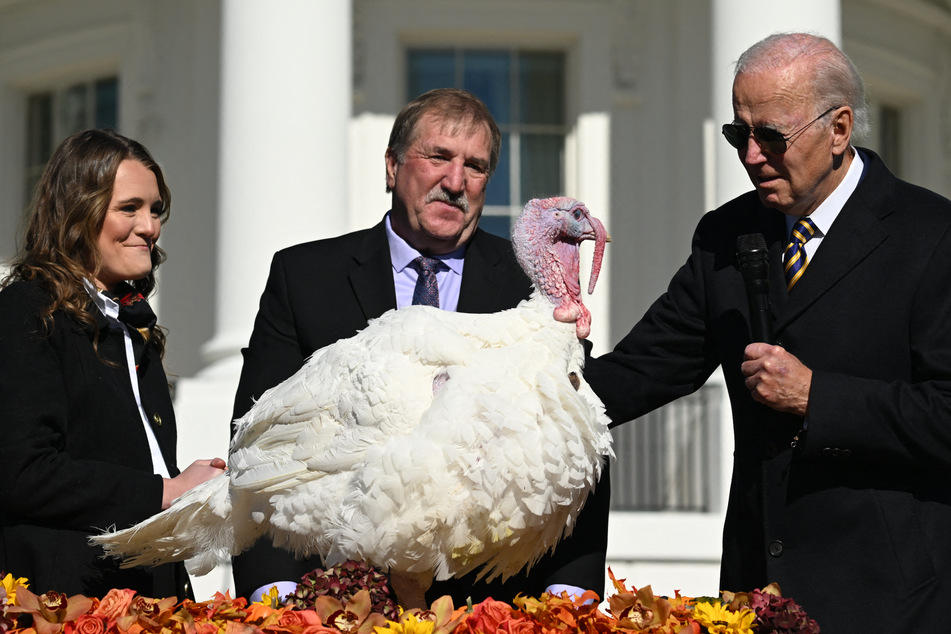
(547, 237)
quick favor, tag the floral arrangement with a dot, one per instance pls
(355, 599)
(342, 582)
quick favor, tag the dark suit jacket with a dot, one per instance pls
(327, 290)
(855, 520)
(75, 459)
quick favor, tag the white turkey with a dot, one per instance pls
(429, 444)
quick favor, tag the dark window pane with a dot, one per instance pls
(73, 109)
(486, 75)
(428, 70)
(53, 115)
(499, 225)
(39, 139)
(891, 138)
(541, 88)
(541, 165)
(525, 91)
(39, 128)
(107, 103)
(499, 189)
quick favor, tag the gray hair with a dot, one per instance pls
(456, 109)
(835, 79)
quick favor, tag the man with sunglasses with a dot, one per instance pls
(842, 423)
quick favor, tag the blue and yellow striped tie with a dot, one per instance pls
(795, 258)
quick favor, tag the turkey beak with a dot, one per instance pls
(601, 238)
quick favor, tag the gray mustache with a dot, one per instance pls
(440, 195)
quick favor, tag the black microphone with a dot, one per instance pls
(753, 257)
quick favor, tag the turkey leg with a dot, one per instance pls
(410, 588)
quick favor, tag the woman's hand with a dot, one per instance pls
(196, 473)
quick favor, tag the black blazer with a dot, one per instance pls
(323, 291)
(75, 459)
(855, 520)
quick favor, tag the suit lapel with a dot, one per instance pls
(372, 279)
(774, 232)
(481, 286)
(856, 232)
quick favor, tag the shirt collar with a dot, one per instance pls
(401, 253)
(106, 305)
(829, 208)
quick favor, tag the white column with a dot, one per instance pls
(285, 112)
(738, 24)
(286, 92)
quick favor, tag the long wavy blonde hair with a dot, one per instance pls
(61, 242)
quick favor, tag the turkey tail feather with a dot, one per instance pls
(197, 527)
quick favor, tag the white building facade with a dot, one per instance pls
(270, 119)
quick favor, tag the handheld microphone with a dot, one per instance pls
(753, 257)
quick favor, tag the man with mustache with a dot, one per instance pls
(428, 249)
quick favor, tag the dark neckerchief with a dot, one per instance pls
(136, 314)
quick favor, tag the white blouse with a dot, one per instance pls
(108, 307)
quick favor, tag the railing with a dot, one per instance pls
(669, 460)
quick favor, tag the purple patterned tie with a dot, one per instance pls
(426, 292)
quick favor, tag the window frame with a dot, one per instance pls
(57, 127)
(513, 130)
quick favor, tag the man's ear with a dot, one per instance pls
(842, 130)
(391, 168)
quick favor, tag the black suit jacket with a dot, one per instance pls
(75, 458)
(323, 291)
(855, 519)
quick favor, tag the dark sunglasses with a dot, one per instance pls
(773, 141)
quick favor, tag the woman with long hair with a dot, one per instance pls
(85, 411)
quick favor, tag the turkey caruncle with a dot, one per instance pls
(429, 444)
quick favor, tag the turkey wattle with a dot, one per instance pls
(429, 444)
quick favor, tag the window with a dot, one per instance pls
(525, 91)
(53, 115)
(889, 136)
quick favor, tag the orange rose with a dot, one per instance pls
(115, 604)
(297, 620)
(86, 624)
(517, 626)
(487, 615)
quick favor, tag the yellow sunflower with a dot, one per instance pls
(718, 619)
(408, 624)
(9, 584)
